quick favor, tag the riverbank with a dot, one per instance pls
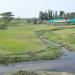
(64, 36)
(51, 52)
(40, 73)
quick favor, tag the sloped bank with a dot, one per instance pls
(53, 35)
(41, 73)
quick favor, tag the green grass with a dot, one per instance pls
(19, 39)
(21, 43)
(39, 73)
(64, 37)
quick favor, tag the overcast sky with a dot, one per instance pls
(31, 8)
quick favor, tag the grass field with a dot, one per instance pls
(21, 42)
(19, 39)
(65, 36)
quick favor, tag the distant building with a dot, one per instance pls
(57, 20)
(62, 20)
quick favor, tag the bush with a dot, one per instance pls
(25, 73)
(2, 27)
(34, 20)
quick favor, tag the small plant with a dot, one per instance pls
(25, 73)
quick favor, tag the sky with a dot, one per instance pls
(31, 8)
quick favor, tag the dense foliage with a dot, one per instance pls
(6, 18)
(50, 14)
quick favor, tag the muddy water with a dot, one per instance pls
(65, 63)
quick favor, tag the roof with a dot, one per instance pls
(71, 20)
(62, 20)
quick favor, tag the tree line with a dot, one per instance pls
(50, 14)
(6, 17)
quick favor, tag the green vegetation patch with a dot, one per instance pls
(40, 73)
(22, 43)
(19, 39)
(64, 37)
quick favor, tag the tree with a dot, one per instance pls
(56, 15)
(72, 15)
(6, 18)
(34, 20)
(61, 14)
(42, 15)
(67, 16)
(50, 14)
(47, 15)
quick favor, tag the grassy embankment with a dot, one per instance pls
(64, 35)
(21, 43)
(40, 73)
